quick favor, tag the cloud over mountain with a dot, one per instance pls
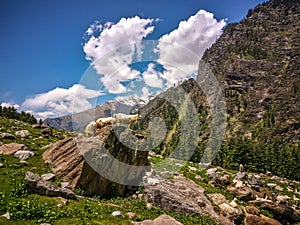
(60, 101)
(180, 50)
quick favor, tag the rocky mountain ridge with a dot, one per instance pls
(78, 121)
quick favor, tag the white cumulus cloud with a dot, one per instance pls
(152, 77)
(180, 50)
(113, 49)
(10, 104)
(60, 101)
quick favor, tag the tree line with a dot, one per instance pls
(12, 113)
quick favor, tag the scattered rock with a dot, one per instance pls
(161, 220)
(24, 163)
(151, 173)
(263, 220)
(48, 176)
(130, 215)
(279, 210)
(278, 188)
(151, 181)
(1, 165)
(282, 199)
(149, 206)
(9, 149)
(181, 195)
(37, 185)
(213, 173)
(47, 132)
(240, 175)
(7, 136)
(65, 185)
(22, 133)
(117, 213)
(45, 224)
(271, 185)
(191, 168)
(63, 200)
(230, 212)
(254, 180)
(39, 126)
(224, 180)
(1, 143)
(6, 215)
(243, 193)
(218, 199)
(252, 210)
(23, 155)
(269, 174)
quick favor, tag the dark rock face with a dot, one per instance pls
(182, 195)
(257, 62)
(37, 185)
(86, 163)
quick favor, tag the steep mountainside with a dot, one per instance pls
(257, 61)
(257, 64)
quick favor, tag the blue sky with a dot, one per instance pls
(41, 42)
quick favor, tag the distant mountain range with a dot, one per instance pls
(78, 121)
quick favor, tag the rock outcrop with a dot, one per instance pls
(9, 149)
(37, 185)
(86, 163)
(182, 195)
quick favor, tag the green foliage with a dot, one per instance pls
(11, 113)
(260, 157)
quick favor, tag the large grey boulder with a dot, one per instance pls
(22, 133)
(37, 185)
(7, 136)
(183, 196)
(23, 155)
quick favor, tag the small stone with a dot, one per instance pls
(117, 213)
(7, 136)
(1, 165)
(65, 185)
(140, 195)
(148, 206)
(134, 196)
(269, 174)
(217, 198)
(24, 163)
(271, 185)
(23, 155)
(130, 215)
(6, 215)
(278, 188)
(48, 176)
(152, 181)
(45, 224)
(63, 200)
(240, 175)
(191, 168)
